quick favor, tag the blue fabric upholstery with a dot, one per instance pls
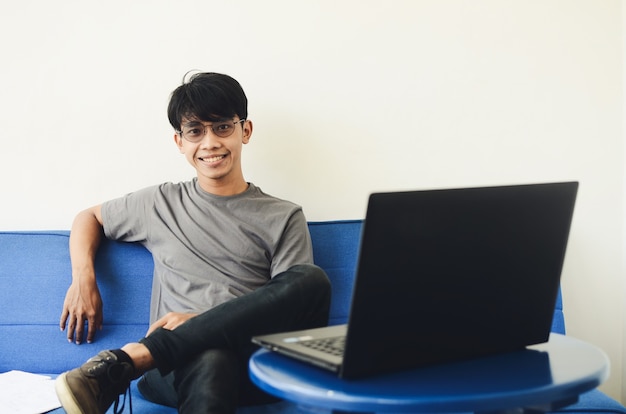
(35, 273)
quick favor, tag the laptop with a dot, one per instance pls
(446, 275)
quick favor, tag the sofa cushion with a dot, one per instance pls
(35, 273)
(34, 276)
(335, 249)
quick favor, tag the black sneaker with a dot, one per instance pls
(92, 388)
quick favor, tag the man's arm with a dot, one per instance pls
(82, 300)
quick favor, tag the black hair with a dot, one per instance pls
(208, 97)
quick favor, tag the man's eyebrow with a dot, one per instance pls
(199, 122)
(223, 119)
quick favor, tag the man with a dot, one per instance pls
(230, 262)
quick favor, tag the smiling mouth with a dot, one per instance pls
(213, 159)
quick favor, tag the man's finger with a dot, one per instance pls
(91, 330)
(70, 328)
(63, 320)
(159, 323)
(80, 327)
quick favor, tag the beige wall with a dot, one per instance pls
(347, 97)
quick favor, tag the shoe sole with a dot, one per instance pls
(66, 397)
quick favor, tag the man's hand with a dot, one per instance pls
(82, 300)
(82, 304)
(171, 321)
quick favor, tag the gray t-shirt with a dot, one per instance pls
(208, 249)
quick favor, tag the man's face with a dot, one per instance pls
(214, 149)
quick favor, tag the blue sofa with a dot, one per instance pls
(35, 273)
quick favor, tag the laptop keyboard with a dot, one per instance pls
(333, 346)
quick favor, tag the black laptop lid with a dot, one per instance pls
(452, 274)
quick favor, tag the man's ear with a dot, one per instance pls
(179, 142)
(247, 131)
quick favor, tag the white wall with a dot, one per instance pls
(348, 97)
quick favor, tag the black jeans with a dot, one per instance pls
(202, 364)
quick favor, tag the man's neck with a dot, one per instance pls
(220, 188)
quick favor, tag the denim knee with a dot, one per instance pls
(313, 276)
(312, 291)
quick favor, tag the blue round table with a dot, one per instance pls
(543, 378)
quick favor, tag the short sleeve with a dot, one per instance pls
(295, 245)
(127, 218)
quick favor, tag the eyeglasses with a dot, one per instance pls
(195, 131)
